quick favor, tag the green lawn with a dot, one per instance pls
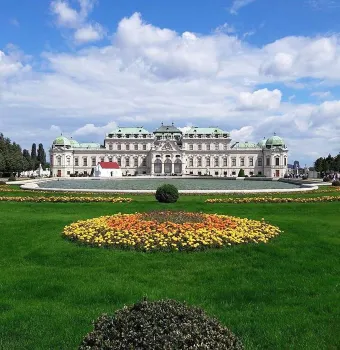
(283, 295)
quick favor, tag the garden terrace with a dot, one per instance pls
(284, 293)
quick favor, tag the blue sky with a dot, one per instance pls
(253, 67)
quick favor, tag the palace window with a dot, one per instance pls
(216, 162)
(217, 146)
(251, 161)
(267, 161)
(93, 160)
(242, 162)
(76, 161)
(84, 161)
(277, 161)
(233, 161)
(199, 162)
(110, 146)
(225, 161)
(144, 147)
(127, 147)
(127, 161)
(207, 161)
(191, 147)
(225, 146)
(285, 161)
(200, 147)
(208, 147)
(58, 160)
(102, 159)
(144, 162)
(191, 162)
(68, 161)
(119, 161)
(136, 147)
(259, 161)
(119, 147)
(135, 162)
(110, 159)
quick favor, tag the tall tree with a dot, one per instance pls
(26, 160)
(34, 156)
(41, 158)
(318, 164)
(2, 163)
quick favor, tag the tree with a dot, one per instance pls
(41, 158)
(26, 160)
(2, 163)
(34, 156)
(241, 173)
(318, 164)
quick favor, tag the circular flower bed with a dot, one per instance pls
(169, 231)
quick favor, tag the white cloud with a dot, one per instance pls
(238, 4)
(91, 129)
(322, 95)
(67, 17)
(323, 4)
(225, 28)
(148, 74)
(244, 133)
(89, 33)
(260, 99)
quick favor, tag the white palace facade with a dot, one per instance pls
(168, 151)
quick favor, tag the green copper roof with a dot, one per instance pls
(275, 141)
(74, 143)
(124, 130)
(247, 145)
(167, 129)
(62, 141)
(210, 130)
(89, 145)
(262, 143)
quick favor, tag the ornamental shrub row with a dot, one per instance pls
(274, 200)
(66, 199)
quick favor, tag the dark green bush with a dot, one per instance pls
(167, 194)
(336, 183)
(158, 325)
(2, 183)
(12, 178)
(326, 179)
(241, 173)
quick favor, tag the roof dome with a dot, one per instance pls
(262, 143)
(62, 141)
(275, 141)
(74, 143)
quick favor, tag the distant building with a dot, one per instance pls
(107, 169)
(168, 151)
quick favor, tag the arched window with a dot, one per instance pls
(178, 166)
(158, 166)
(168, 166)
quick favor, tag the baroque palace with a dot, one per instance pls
(168, 151)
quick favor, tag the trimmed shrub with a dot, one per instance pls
(326, 179)
(241, 173)
(336, 183)
(12, 178)
(157, 325)
(167, 194)
(2, 183)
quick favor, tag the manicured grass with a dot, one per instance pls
(283, 295)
